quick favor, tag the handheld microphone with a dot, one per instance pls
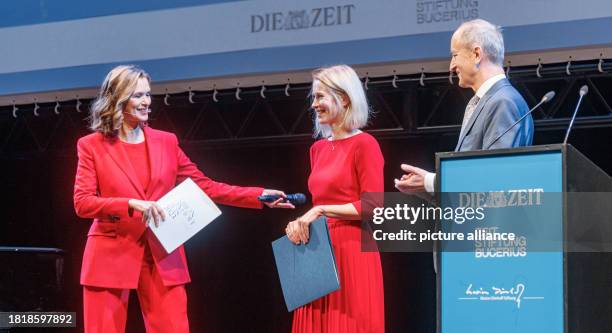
(296, 199)
(545, 99)
(583, 91)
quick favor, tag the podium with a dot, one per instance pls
(565, 289)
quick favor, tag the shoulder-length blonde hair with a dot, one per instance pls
(106, 114)
(341, 80)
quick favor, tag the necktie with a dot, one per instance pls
(469, 109)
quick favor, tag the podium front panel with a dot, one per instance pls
(507, 291)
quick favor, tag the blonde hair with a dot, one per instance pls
(341, 80)
(106, 114)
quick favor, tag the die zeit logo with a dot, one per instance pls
(500, 199)
(303, 19)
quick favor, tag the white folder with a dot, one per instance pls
(188, 210)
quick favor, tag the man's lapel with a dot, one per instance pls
(479, 107)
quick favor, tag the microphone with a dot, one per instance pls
(296, 199)
(545, 99)
(583, 91)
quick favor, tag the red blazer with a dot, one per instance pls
(105, 181)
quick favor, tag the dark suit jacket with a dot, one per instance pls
(497, 110)
(105, 181)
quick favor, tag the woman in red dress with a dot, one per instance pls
(345, 163)
(123, 168)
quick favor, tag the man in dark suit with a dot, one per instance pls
(477, 50)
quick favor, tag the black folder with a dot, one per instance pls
(307, 271)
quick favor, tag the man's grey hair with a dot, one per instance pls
(488, 36)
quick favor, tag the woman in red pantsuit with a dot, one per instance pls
(344, 163)
(123, 168)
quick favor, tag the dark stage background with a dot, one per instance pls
(253, 142)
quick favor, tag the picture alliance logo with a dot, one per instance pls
(303, 19)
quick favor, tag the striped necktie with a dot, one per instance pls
(469, 110)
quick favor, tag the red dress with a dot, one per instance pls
(340, 171)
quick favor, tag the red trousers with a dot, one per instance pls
(164, 309)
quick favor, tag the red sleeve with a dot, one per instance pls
(311, 153)
(87, 202)
(221, 193)
(370, 163)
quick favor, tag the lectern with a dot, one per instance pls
(523, 288)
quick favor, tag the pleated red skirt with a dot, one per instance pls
(358, 306)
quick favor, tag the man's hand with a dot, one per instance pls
(412, 181)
